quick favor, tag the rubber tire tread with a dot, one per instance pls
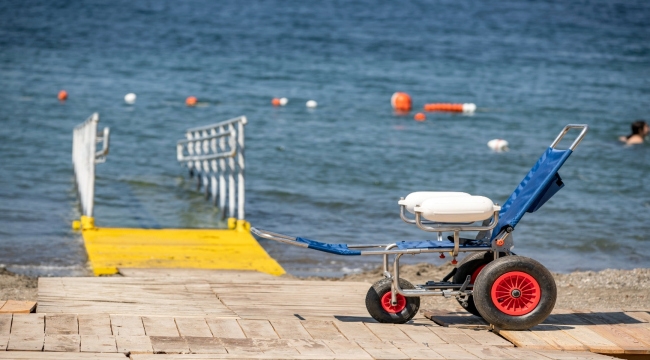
(500, 320)
(373, 303)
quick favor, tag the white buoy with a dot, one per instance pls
(130, 98)
(498, 145)
(284, 101)
(311, 104)
(469, 108)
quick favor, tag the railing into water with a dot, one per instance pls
(84, 157)
(215, 155)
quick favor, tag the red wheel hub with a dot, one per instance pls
(393, 309)
(516, 293)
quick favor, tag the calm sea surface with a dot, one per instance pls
(334, 173)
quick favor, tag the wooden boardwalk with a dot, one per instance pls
(612, 332)
(154, 315)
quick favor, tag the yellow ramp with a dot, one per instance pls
(232, 249)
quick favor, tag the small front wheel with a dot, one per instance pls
(380, 307)
(514, 293)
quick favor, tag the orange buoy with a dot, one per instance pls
(401, 101)
(464, 108)
(419, 117)
(275, 102)
(191, 101)
(63, 95)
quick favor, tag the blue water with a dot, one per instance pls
(334, 173)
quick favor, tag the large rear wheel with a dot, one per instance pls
(514, 293)
(380, 307)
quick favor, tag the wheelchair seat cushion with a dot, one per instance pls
(457, 209)
(416, 198)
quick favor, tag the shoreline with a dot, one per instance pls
(609, 289)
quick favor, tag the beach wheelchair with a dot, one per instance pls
(508, 291)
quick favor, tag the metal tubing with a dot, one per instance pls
(440, 227)
(578, 139)
(388, 247)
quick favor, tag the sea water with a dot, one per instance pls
(336, 172)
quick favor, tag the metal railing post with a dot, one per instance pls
(84, 158)
(215, 154)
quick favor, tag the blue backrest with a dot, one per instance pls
(539, 185)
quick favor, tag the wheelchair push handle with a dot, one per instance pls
(578, 139)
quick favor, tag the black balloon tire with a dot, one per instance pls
(466, 267)
(373, 303)
(501, 320)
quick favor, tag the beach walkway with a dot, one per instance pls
(151, 314)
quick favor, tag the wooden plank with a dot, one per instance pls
(18, 307)
(225, 328)
(525, 339)
(28, 324)
(240, 346)
(456, 319)
(607, 318)
(5, 324)
(130, 296)
(310, 348)
(642, 316)
(322, 330)
(258, 329)
(453, 335)
(159, 326)
(593, 341)
(519, 353)
(623, 340)
(61, 324)
(133, 344)
(453, 351)
(5, 328)
(290, 329)
(127, 325)
(205, 345)
(382, 350)
(557, 338)
(417, 353)
(486, 352)
(98, 343)
(196, 327)
(346, 349)
(94, 324)
(356, 331)
(390, 333)
(31, 355)
(640, 333)
(227, 276)
(26, 342)
(420, 334)
(484, 337)
(169, 345)
(571, 355)
(61, 342)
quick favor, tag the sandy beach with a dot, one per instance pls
(604, 290)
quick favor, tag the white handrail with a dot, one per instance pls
(84, 158)
(215, 154)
